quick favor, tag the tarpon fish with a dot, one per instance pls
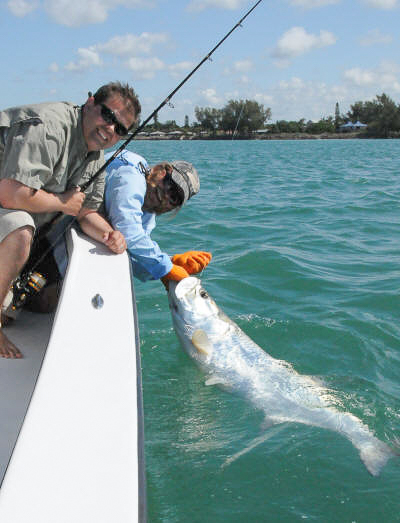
(231, 359)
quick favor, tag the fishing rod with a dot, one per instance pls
(31, 281)
(166, 101)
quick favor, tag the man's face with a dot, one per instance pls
(162, 194)
(98, 133)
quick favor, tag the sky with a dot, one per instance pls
(297, 57)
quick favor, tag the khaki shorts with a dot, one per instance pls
(11, 220)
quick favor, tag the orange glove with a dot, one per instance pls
(192, 261)
(177, 273)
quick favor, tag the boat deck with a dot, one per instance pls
(18, 377)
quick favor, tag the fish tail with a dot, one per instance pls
(375, 454)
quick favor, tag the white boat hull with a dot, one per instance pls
(79, 455)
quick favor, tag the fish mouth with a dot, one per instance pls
(185, 286)
(178, 292)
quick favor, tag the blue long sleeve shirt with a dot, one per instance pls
(124, 194)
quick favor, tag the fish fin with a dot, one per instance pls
(201, 342)
(215, 380)
(253, 444)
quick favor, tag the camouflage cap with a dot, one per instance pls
(186, 177)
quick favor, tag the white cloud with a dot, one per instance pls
(21, 8)
(240, 67)
(294, 83)
(53, 68)
(374, 37)
(128, 51)
(310, 4)
(128, 47)
(382, 78)
(296, 41)
(145, 68)
(88, 58)
(180, 68)
(382, 4)
(210, 97)
(74, 13)
(359, 76)
(200, 5)
(263, 98)
(296, 98)
(131, 44)
(243, 66)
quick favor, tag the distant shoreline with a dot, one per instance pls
(267, 136)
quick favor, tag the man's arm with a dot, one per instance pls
(16, 195)
(95, 226)
(124, 196)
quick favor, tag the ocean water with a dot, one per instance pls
(305, 237)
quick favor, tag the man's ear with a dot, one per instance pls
(158, 172)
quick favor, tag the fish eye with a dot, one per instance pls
(203, 293)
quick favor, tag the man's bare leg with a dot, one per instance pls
(14, 252)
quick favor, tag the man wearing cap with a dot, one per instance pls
(134, 196)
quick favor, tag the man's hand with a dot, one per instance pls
(177, 273)
(192, 261)
(72, 201)
(16, 195)
(115, 241)
(95, 226)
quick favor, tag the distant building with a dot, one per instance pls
(359, 125)
(350, 126)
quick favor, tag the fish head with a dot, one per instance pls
(190, 303)
(193, 314)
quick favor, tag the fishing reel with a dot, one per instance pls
(23, 287)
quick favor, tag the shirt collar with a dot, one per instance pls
(81, 142)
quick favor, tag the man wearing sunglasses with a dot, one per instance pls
(134, 196)
(46, 152)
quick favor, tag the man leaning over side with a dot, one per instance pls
(134, 196)
(46, 152)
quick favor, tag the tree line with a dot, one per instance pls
(241, 117)
(381, 114)
(245, 117)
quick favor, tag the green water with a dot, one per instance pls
(305, 239)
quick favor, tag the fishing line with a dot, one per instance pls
(237, 123)
(220, 188)
(46, 228)
(209, 214)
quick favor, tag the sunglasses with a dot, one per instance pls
(110, 118)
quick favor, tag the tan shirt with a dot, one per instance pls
(43, 147)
